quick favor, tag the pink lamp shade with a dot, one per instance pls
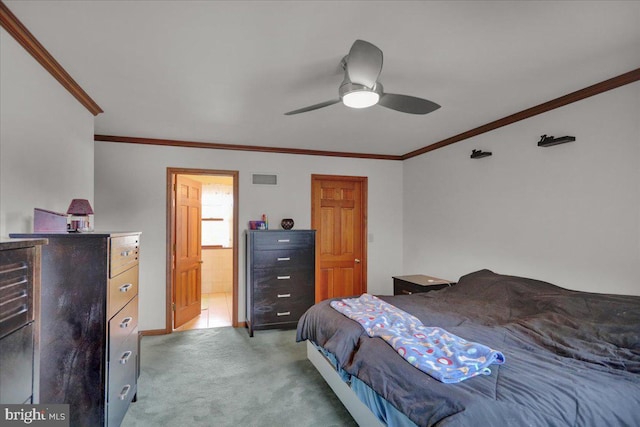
(80, 207)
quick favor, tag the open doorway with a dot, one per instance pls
(202, 252)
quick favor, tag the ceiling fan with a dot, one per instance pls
(361, 89)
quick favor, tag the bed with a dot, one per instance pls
(572, 358)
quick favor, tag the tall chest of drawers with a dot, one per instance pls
(89, 311)
(280, 277)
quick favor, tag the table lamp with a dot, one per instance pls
(79, 209)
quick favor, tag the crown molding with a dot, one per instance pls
(578, 95)
(23, 36)
(218, 146)
(604, 86)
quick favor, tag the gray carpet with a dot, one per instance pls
(221, 377)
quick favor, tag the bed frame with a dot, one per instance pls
(358, 410)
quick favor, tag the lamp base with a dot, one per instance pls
(79, 224)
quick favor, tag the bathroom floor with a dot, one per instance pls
(216, 312)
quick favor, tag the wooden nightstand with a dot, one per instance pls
(407, 285)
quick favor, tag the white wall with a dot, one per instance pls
(46, 141)
(568, 214)
(130, 194)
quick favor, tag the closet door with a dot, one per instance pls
(338, 214)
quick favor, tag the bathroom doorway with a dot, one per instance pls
(202, 254)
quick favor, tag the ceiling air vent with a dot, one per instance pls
(264, 179)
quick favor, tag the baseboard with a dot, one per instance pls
(149, 332)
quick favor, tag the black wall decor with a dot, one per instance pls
(548, 141)
(478, 154)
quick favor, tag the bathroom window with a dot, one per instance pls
(217, 214)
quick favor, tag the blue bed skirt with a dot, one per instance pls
(379, 406)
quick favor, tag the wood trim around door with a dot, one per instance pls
(364, 181)
(171, 237)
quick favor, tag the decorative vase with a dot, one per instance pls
(287, 223)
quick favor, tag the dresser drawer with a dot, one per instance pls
(122, 348)
(122, 380)
(273, 281)
(300, 258)
(16, 366)
(282, 240)
(270, 311)
(124, 253)
(124, 322)
(122, 288)
(281, 290)
(16, 299)
(124, 351)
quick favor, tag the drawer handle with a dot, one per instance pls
(125, 287)
(284, 259)
(283, 240)
(125, 322)
(406, 292)
(124, 392)
(284, 295)
(284, 313)
(284, 277)
(125, 357)
(125, 253)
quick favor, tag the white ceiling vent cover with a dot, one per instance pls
(264, 179)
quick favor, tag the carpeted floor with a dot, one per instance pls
(222, 377)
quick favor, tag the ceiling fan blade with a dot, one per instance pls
(407, 104)
(312, 107)
(364, 63)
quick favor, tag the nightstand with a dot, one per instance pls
(407, 285)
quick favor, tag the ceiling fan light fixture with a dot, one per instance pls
(361, 88)
(360, 98)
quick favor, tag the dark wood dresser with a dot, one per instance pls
(89, 336)
(20, 320)
(280, 277)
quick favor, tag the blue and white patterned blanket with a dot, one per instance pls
(444, 356)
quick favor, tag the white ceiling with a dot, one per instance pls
(226, 71)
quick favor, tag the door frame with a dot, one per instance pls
(171, 237)
(364, 186)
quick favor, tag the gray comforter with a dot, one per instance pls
(572, 358)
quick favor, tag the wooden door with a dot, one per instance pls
(188, 261)
(338, 214)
